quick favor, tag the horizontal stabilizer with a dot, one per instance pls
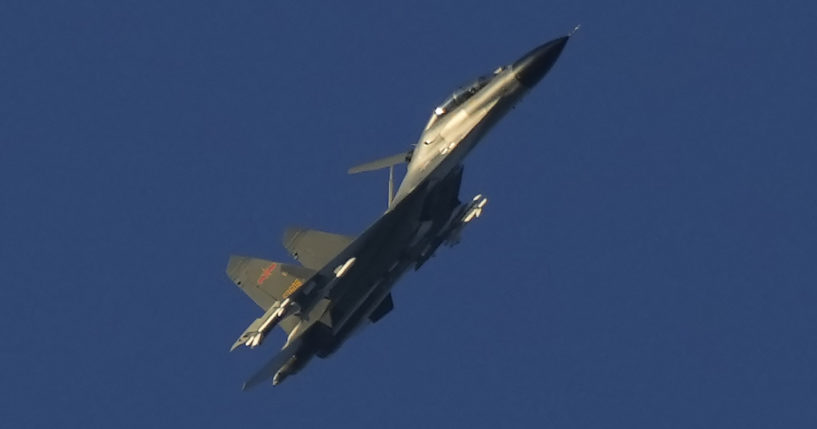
(381, 163)
(314, 248)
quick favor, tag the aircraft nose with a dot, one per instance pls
(532, 67)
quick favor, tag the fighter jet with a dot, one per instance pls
(343, 283)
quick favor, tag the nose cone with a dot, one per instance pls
(532, 67)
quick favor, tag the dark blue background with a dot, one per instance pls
(647, 258)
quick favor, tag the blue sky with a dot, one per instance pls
(647, 258)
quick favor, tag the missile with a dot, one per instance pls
(254, 335)
(254, 340)
(450, 233)
(285, 309)
(472, 210)
(284, 371)
(475, 209)
(341, 270)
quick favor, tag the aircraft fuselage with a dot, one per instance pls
(424, 213)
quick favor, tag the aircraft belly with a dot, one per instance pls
(376, 258)
(358, 311)
(361, 281)
(369, 288)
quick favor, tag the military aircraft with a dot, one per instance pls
(343, 282)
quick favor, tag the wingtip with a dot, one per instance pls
(234, 265)
(289, 236)
(574, 30)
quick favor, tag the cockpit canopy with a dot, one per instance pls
(460, 96)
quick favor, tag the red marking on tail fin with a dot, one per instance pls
(266, 273)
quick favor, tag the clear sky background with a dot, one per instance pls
(648, 257)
